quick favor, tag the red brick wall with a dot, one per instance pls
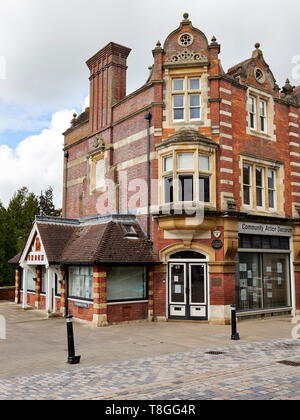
(30, 299)
(7, 293)
(127, 312)
(224, 294)
(160, 294)
(81, 313)
(81, 203)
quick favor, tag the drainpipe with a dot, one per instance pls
(148, 117)
(66, 182)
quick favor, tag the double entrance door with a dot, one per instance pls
(188, 291)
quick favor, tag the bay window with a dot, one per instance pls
(192, 178)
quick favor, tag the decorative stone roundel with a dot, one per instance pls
(259, 75)
(184, 40)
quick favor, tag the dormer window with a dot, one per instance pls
(129, 231)
(186, 99)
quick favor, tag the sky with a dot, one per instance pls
(44, 79)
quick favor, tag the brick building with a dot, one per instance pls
(180, 198)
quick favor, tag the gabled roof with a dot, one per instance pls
(54, 238)
(91, 242)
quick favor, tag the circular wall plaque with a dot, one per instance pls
(217, 244)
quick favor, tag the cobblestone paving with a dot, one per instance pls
(245, 371)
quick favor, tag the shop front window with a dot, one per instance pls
(276, 281)
(263, 278)
(81, 283)
(126, 284)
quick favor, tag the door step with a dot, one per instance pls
(188, 321)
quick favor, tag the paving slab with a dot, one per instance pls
(147, 360)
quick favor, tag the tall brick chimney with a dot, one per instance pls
(107, 82)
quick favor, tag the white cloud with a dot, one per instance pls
(37, 162)
(86, 103)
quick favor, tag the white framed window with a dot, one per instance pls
(178, 85)
(191, 179)
(272, 195)
(260, 187)
(178, 108)
(247, 185)
(186, 99)
(81, 283)
(258, 114)
(168, 184)
(185, 161)
(263, 115)
(204, 178)
(252, 112)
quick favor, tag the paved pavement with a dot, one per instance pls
(147, 361)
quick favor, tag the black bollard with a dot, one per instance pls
(72, 359)
(234, 334)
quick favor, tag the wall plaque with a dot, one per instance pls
(217, 244)
(81, 305)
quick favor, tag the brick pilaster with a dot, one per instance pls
(63, 298)
(100, 297)
(17, 282)
(150, 294)
(294, 143)
(226, 142)
(37, 300)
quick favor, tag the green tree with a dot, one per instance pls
(16, 223)
(22, 209)
(8, 247)
(47, 207)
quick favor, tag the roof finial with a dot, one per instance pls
(186, 21)
(288, 88)
(257, 52)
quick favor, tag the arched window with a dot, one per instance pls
(188, 255)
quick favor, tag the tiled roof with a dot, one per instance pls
(54, 238)
(107, 243)
(103, 243)
(15, 259)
